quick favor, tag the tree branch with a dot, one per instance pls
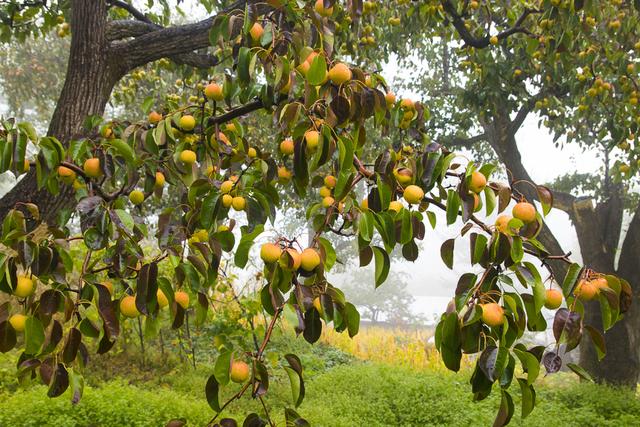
(236, 112)
(171, 41)
(564, 201)
(132, 10)
(125, 28)
(197, 60)
(481, 42)
(522, 114)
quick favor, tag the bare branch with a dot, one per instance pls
(125, 28)
(196, 60)
(132, 10)
(236, 112)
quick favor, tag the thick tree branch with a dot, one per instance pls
(197, 60)
(121, 29)
(522, 114)
(565, 201)
(125, 28)
(561, 200)
(171, 41)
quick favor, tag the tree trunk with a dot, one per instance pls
(99, 58)
(502, 140)
(90, 78)
(598, 230)
(621, 364)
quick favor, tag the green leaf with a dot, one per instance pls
(489, 200)
(352, 318)
(479, 247)
(28, 129)
(598, 341)
(77, 149)
(329, 253)
(126, 220)
(450, 342)
(146, 104)
(365, 226)
(453, 207)
(528, 397)
(211, 391)
(517, 252)
(33, 335)
(530, 364)
(431, 216)
(242, 252)
(573, 274)
(410, 251)
(382, 265)
(346, 148)
(296, 385)
(244, 63)
(406, 228)
(384, 190)
(122, 149)
(218, 28)
(294, 371)
(207, 210)
(222, 367)
(317, 73)
(312, 326)
(77, 385)
(582, 373)
(386, 227)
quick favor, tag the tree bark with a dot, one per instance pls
(96, 64)
(89, 81)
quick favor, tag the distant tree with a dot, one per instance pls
(391, 302)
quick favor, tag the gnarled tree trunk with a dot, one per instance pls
(91, 76)
(102, 52)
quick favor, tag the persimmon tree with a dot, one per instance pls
(286, 63)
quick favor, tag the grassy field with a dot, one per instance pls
(401, 385)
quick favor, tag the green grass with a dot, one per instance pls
(360, 394)
(340, 391)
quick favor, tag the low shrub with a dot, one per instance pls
(115, 404)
